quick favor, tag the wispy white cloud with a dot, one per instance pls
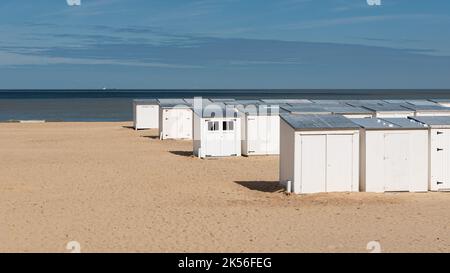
(352, 20)
(8, 59)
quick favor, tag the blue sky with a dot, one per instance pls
(224, 44)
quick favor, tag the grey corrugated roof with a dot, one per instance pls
(146, 101)
(387, 107)
(171, 101)
(204, 101)
(436, 121)
(318, 122)
(364, 102)
(218, 110)
(222, 99)
(395, 101)
(174, 105)
(327, 101)
(433, 108)
(405, 123)
(346, 109)
(387, 123)
(244, 102)
(306, 109)
(441, 100)
(374, 123)
(421, 102)
(261, 110)
(286, 101)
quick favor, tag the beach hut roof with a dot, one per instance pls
(434, 108)
(306, 109)
(421, 102)
(364, 102)
(318, 122)
(346, 109)
(387, 107)
(222, 99)
(145, 101)
(175, 105)
(434, 121)
(286, 101)
(441, 100)
(261, 110)
(172, 101)
(218, 110)
(244, 102)
(388, 123)
(328, 101)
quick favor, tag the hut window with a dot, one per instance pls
(228, 125)
(213, 125)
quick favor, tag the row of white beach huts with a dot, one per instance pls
(324, 145)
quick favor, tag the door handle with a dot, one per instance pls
(439, 182)
(439, 133)
(439, 149)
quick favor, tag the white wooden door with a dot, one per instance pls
(170, 124)
(229, 139)
(339, 163)
(272, 135)
(396, 162)
(313, 163)
(440, 141)
(153, 112)
(263, 135)
(213, 138)
(252, 135)
(184, 120)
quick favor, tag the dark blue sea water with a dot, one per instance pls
(116, 105)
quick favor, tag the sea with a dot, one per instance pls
(116, 105)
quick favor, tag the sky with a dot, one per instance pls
(224, 44)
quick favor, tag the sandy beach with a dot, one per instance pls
(114, 189)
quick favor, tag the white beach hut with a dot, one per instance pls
(217, 133)
(394, 155)
(176, 120)
(439, 151)
(260, 130)
(389, 110)
(146, 114)
(319, 153)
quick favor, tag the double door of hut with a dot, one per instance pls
(327, 163)
(221, 137)
(263, 135)
(440, 159)
(177, 124)
(146, 116)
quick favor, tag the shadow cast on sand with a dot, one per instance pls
(152, 137)
(128, 127)
(182, 153)
(262, 186)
